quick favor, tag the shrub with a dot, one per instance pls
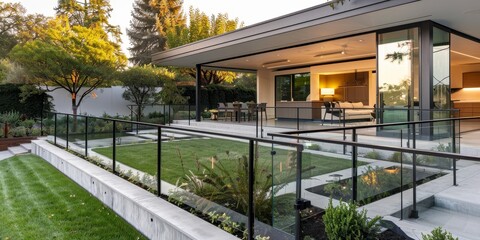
(373, 155)
(345, 222)
(36, 132)
(19, 131)
(438, 234)
(314, 147)
(11, 118)
(27, 123)
(398, 157)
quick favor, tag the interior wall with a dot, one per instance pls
(372, 89)
(266, 89)
(457, 82)
(326, 81)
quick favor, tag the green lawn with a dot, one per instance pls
(188, 153)
(39, 202)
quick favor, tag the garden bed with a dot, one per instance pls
(5, 143)
(374, 184)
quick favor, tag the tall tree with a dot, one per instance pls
(200, 27)
(69, 57)
(17, 26)
(152, 21)
(141, 86)
(90, 13)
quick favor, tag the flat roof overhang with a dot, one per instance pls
(321, 23)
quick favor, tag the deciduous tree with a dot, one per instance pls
(69, 57)
(141, 85)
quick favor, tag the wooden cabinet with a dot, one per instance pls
(468, 109)
(471, 79)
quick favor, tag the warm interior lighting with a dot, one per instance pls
(331, 54)
(327, 91)
(274, 63)
(472, 89)
(392, 170)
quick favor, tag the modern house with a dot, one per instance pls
(402, 54)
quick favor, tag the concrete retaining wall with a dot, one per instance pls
(153, 216)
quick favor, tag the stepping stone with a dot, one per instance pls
(17, 150)
(27, 146)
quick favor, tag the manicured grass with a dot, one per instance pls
(39, 202)
(178, 157)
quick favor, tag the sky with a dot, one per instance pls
(248, 11)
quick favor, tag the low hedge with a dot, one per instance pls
(31, 108)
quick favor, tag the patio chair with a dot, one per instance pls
(262, 107)
(221, 109)
(328, 109)
(252, 109)
(244, 110)
(229, 110)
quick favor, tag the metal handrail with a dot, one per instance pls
(188, 130)
(377, 125)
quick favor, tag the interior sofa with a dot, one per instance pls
(349, 111)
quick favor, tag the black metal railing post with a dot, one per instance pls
(354, 166)
(55, 129)
(188, 114)
(261, 123)
(454, 150)
(114, 147)
(159, 160)
(401, 176)
(169, 116)
(414, 212)
(251, 186)
(298, 194)
(342, 113)
(256, 123)
(41, 121)
(66, 137)
(164, 115)
(298, 118)
(86, 136)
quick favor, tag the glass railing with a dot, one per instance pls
(219, 176)
(389, 174)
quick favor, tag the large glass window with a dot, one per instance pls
(301, 87)
(441, 69)
(283, 85)
(398, 74)
(294, 87)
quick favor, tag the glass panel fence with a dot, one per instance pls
(76, 134)
(209, 174)
(100, 141)
(61, 133)
(275, 190)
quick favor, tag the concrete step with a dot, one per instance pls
(27, 146)
(17, 150)
(464, 198)
(464, 226)
(5, 154)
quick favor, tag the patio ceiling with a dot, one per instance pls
(253, 46)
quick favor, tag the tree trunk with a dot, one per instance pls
(74, 111)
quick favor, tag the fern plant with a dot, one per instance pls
(345, 222)
(438, 234)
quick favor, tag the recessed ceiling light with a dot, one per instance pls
(278, 55)
(360, 40)
(246, 60)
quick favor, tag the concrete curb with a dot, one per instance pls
(153, 216)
